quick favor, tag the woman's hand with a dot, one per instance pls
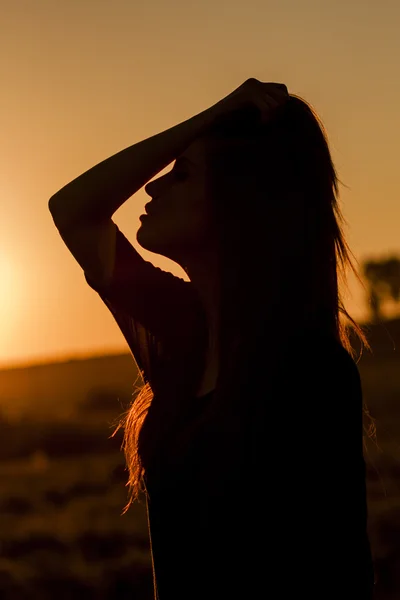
(267, 97)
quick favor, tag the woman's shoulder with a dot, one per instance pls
(320, 344)
(306, 357)
(321, 356)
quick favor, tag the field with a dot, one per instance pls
(62, 531)
(63, 490)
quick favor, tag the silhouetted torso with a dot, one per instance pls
(291, 521)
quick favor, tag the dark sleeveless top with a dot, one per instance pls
(292, 522)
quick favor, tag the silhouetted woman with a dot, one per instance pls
(247, 434)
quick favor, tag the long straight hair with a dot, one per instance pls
(283, 257)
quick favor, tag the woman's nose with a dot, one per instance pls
(148, 187)
(152, 187)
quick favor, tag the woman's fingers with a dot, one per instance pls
(266, 106)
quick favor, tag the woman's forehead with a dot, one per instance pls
(195, 153)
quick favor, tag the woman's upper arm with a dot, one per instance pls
(152, 307)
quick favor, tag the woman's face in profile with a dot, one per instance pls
(179, 220)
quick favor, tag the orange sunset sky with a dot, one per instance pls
(83, 79)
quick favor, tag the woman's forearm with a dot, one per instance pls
(101, 190)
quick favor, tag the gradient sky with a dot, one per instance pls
(83, 79)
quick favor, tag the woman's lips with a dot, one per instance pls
(149, 208)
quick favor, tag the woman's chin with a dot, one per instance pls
(142, 238)
(148, 239)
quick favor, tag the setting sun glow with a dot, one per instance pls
(10, 300)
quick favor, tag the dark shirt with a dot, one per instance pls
(290, 522)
